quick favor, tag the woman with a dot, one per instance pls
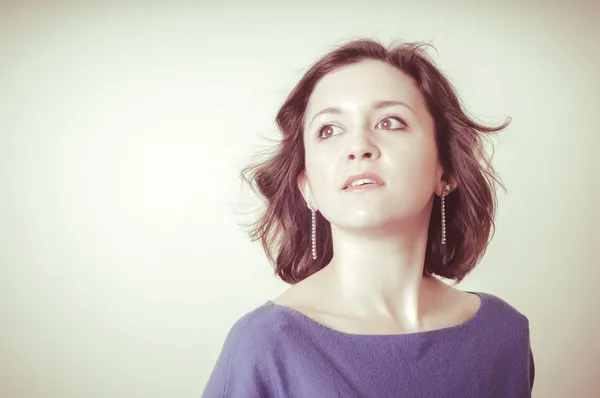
(379, 185)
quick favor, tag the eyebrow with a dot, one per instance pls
(375, 105)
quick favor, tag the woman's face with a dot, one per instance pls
(370, 117)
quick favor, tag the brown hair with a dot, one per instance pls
(284, 227)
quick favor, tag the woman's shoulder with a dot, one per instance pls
(248, 355)
(503, 311)
(257, 317)
(261, 326)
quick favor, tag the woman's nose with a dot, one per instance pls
(365, 155)
(362, 148)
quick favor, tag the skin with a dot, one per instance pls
(374, 282)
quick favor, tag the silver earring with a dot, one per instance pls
(313, 232)
(446, 191)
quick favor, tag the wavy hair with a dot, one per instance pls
(284, 226)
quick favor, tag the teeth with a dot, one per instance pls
(362, 182)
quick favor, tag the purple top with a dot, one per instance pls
(276, 351)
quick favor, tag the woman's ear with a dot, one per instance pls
(452, 182)
(441, 186)
(304, 188)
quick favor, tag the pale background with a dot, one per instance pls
(122, 132)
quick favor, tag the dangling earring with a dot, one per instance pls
(446, 191)
(313, 232)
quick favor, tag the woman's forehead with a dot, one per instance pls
(358, 86)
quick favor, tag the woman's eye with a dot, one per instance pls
(392, 123)
(326, 131)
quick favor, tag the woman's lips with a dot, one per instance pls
(369, 175)
(364, 187)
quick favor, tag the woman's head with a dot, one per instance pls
(369, 117)
(360, 108)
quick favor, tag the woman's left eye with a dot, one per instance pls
(392, 123)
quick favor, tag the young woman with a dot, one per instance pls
(379, 185)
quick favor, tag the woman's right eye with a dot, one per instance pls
(326, 131)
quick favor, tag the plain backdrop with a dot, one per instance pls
(123, 129)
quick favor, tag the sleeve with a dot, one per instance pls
(239, 370)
